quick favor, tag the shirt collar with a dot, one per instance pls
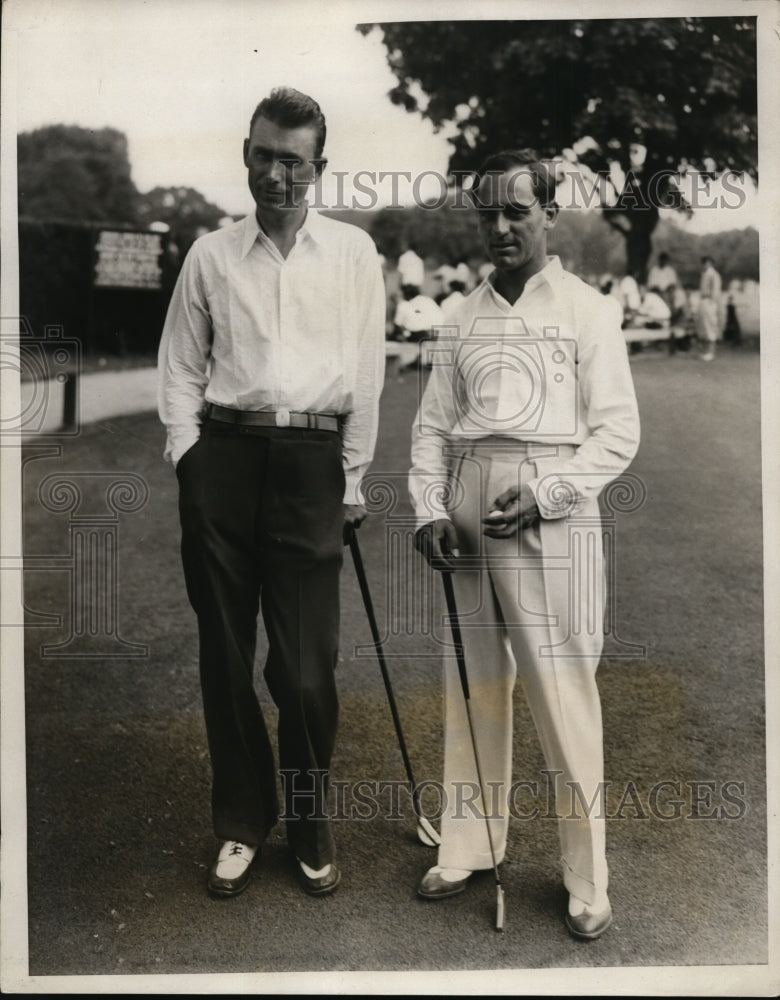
(311, 228)
(551, 274)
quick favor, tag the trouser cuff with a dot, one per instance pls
(583, 888)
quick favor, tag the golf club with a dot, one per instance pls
(449, 595)
(425, 831)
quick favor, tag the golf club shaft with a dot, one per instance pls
(369, 606)
(449, 595)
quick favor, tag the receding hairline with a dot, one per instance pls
(514, 161)
(511, 172)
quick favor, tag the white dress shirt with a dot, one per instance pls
(451, 305)
(551, 369)
(249, 329)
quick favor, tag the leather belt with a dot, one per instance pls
(273, 418)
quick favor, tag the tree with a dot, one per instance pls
(70, 173)
(184, 209)
(637, 103)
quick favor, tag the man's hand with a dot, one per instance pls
(354, 515)
(438, 542)
(512, 511)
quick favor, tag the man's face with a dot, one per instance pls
(512, 223)
(279, 164)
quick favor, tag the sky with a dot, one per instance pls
(181, 77)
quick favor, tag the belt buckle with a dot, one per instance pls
(282, 418)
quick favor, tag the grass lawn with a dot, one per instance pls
(118, 773)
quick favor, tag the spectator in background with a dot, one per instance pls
(444, 275)
(464, 276)
(663, 277)
(415, 317)
(411, 270)
(680, 328)
(653, 312)
(732, 331)
(629, 297)
(709, 307)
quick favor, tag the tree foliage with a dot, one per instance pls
(683, 88)
(586, 245)
(68, 172)
(183, 209)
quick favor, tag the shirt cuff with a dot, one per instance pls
(177, 448)
(352, 493)
(555, 496)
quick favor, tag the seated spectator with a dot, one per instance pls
(653, 312)
(415, 317)
(663, 277)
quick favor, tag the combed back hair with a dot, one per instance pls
(542, 171)
(289, 108)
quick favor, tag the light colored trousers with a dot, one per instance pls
(530, 607)
(708, 319)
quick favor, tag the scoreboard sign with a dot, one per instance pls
(128, 260)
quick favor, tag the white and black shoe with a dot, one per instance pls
(229, 875)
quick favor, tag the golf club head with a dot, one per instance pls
(426, 833)
(499, 908)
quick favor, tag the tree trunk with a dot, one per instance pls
(638, 249)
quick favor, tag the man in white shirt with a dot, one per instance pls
(270, 368)
(528, 413)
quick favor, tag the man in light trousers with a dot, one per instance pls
(529, 412)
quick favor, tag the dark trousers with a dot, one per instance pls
(262, 514)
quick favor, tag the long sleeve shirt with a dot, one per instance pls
(550, 369)
(249, 329)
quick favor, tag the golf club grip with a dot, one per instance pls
(449, 595)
